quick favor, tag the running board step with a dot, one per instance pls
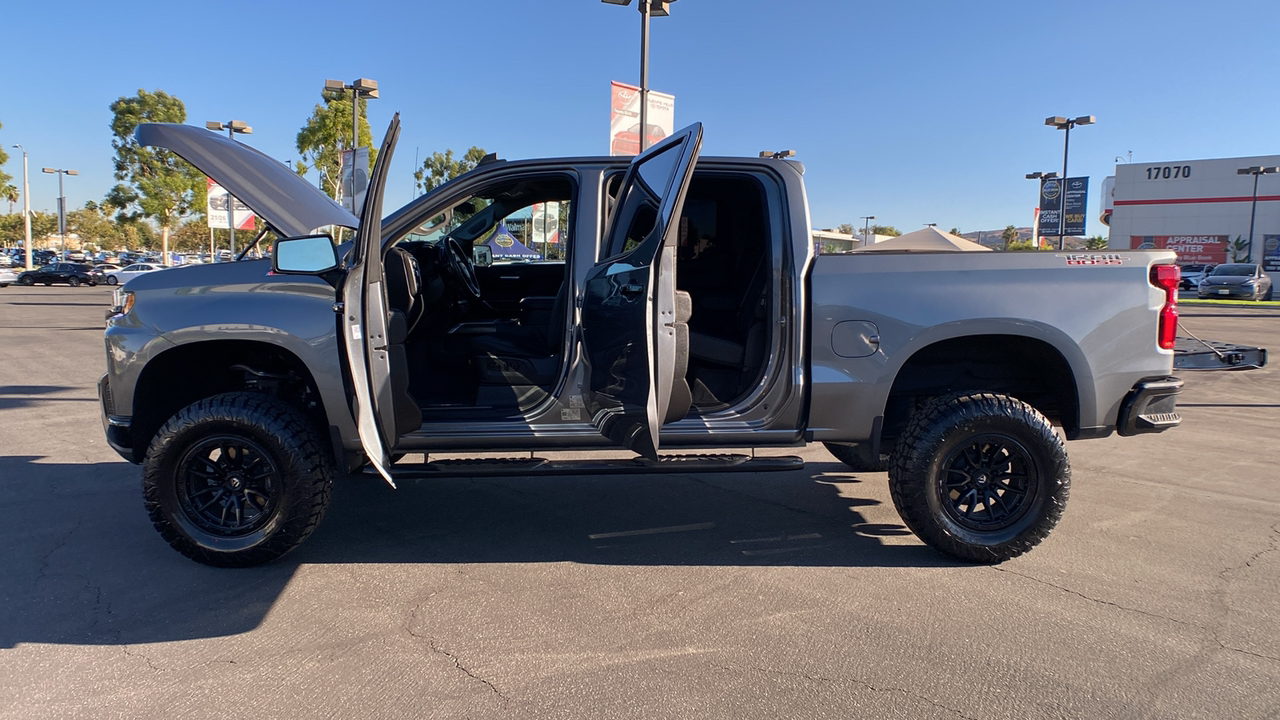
(472, 467)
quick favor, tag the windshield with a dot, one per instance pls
(1235, 269)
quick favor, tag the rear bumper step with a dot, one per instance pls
(1150, 407)
(528, 467)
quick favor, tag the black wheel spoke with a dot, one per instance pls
(234, 494)
(984, 482)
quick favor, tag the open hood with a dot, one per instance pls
(277, 194)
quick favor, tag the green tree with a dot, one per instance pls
(155, 183)
(13, 233)
(886, 230)
(846, 228)
(440, 168)
(955, 231)
(326, 133)
(1010, 236)
(5, 178)
(10, 193)
(1097, 242)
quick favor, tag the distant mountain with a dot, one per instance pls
(993, 238)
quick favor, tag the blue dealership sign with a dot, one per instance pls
(1050, 205)
(1075, 203)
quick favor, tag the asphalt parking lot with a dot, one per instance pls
(770, 596)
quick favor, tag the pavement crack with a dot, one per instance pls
(1099, 601)
(458, 664)
(44, 561)
(856, 681)
(145, 659)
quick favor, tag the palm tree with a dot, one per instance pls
(10, 193)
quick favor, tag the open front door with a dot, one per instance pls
(365, 321)
(631, 320)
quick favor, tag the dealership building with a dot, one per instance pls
(1198, 208)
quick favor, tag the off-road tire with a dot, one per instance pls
(849, 455)
(299, 486)
(932, 450)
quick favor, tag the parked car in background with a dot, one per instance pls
(1193, 274)
(6, 260)
(1245, 280)
(107, 267)
(7, 277)
(129, 272)
(72, 274)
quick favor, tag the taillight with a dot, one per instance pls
(1167, 277)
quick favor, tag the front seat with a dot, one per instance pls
(404, 309)
(522, 354)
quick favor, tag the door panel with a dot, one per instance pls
(504, 285)
(629, 320)
(365, 323)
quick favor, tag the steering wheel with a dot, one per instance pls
(461, 268)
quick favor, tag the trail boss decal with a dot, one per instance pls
(1092, 260)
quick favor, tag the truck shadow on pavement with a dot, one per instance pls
(84, 566)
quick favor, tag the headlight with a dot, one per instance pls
(121, 303)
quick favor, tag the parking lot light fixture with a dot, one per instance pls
(62, 207)
(232, 127)
(26, 209)
(866, 228)
(1065, 124)
(1255, 171)
(360, 88)
(655, 8)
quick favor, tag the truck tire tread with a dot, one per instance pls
(918, 454)
(304, 469)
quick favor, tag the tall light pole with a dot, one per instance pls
(232, 127)
(1066, 124)
(361, 88)
(62, 207)
(26, 206)
(1041, 177)
(656, 8)
(1255, 171)
(866, 229)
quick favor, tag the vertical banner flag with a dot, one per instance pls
(1050, 205)
(624, 118)
(546, 224)
(355, 179)
(216, 208)
(1075, 205)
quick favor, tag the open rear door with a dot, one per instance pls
(365, 321)
(630, 318)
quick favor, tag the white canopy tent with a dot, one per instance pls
(929, 239)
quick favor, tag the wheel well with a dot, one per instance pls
(1026, 368)
(181, 376)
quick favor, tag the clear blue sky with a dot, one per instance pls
(915, 112)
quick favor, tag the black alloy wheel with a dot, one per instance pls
(987, 483)
(73, 281)
(228, 485)
(26, 280)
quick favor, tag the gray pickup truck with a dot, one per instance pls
(677, 304)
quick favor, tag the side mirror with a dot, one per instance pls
(304, 255)
(482, 255)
